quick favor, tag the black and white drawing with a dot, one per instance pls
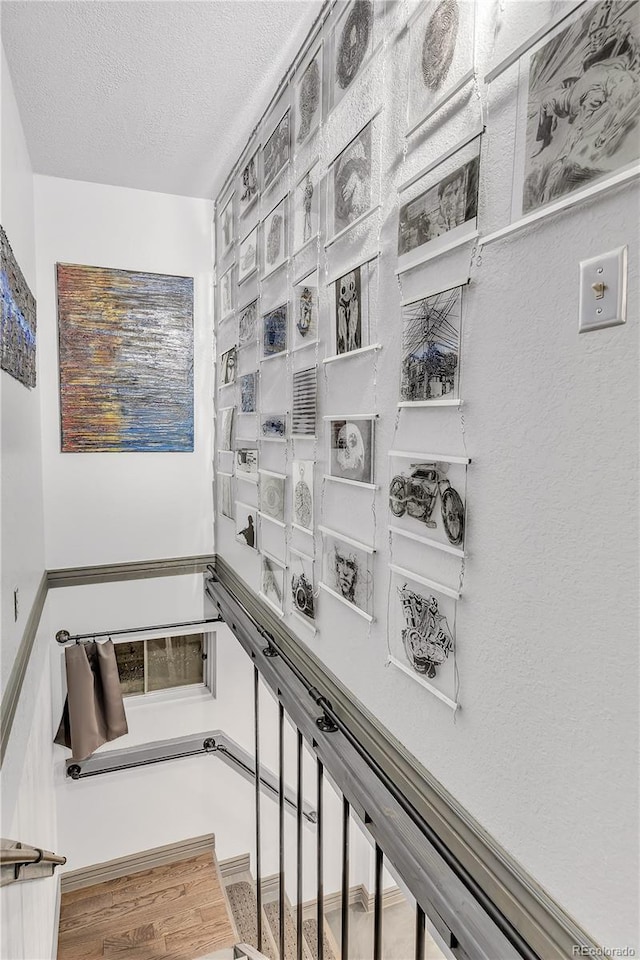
(272, 493)
(348, 315)
(427, 500)
(431, 347)
(248, 392)
(226, 294)
(273, 426)
(272, 582)
(306, 213)
(309, 99)
(247, 525)
(228, 363)
(347, 570)
(225, 494)
(226, 427)
(248, 255)
(302, 584)
(351, 181)
(274, 331)
(583, 103)
(247, 320)
(351, 449)
(352, 42)
(248, 192)
(275, 153)
(427, 639)
(302, 491)
(305, 317)
(441, 209)
(226, 226)
(247, 463)
(274, 238)
(303, 419)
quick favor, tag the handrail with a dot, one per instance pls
(20, 861)
(21, 854)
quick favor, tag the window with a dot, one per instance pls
(164, 663)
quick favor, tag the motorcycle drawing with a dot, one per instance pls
(426, 638)
(416, 495)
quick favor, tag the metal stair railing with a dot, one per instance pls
(19, 861)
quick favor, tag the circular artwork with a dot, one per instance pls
(353, 42)
(352, 187)
(272, 502)
(302, 504)
(439, 44)
(308, 98)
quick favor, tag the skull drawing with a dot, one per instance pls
(350, 449)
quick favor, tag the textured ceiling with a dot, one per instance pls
(157, 95)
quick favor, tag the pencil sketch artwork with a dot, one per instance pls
(351, 450)
(246, 525)
(447, 205)
(352, 181)
(309, 99)
(352, 43)
(226, 295)
(305, 385)
(302, 479)
(273, 426)
(426, 634)
(425, 495)
(226, 225)
(431, 347)
(228, 366)
(226, 427)
(18, 341)
(248, 255)
(302, 585)
(275, 153)
(274, 237)
(305, 296)
(348, 301)
(226, 495)
(248, 392)
(248, 184)
(247, 321)
(247, 462)
(306, 213)
(274, 331)
(272, 496)
(583, 103)
(346, 571)
(272, 582)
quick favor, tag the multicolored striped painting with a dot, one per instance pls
(126, 361)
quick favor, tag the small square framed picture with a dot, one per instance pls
(308, 99)
(248, 256)
(351, 454)
(305, 315)
(248, 392)
(247, 323)
(306, 208)
(274, 331)
(274, 238)
(226, 227)
(273, 426)
(247, 463)
(247, 525)
(226, 293)
(228, 364)
(272, 582)
(276, 152)
(248, 186)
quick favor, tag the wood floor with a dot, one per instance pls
(173, 912)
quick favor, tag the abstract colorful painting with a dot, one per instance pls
(126, 361)
(18, 319)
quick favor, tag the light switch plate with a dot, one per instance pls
(603, 307)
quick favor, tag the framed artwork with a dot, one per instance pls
(347, 571)
(226, 293)
(349, 184)
(18, 341)
(272, 487)
(247, 323)
(126, 360)
(305, 315)
(226, 226)
(228, 363)
(427, 499)
(226, 427)
(351, 449)
(303, 419)
(225, 494)
(441, 56)
(274, 238)
(306, 208)
(248, 255)
(302, 494)
(430, 367)
(302, 585)
(351, 309)
(248, 392)
(276, 153)
(274, 331)
(308, 99)
(422, 634)
(247, 463)
(352, 43)
(273, 426)
(272, 577)
(246, 525)
(248, 192)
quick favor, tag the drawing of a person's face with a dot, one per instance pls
(350, 448)
(346, 569)
(451, 199)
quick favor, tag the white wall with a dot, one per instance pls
(103, 508)
(543, 750)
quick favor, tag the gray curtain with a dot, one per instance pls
(93, 712)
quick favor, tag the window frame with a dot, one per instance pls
(204, 690)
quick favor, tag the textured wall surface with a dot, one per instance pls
(542, 751)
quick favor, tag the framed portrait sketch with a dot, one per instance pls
(347, 571)
(273, 426)
(247, 525)
(349, 184)
(248, 186)
(225, 494)
(351, 454)
(302, 586)
(272, 495)
(351, 46)
(274, 331)
(351, 309)
(430, 365)
(302, 494)
(308, 99)
(248, 255)
(427, 499)
(247, 324)
(226, 427)
(272, 582)
(228, 363)
(247, 463)
(276, 153)
(305, 311)
(306, 208)
(303, 417)
(226, 294)
(274, 238)
(226, 227)
(248, 392)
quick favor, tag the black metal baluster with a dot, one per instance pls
(319, 864)
(299, 851)
(256, 734)
(281, 826)
(377, 907)
(345, 880)
(419, 933)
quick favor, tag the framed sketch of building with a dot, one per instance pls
(247, 525)
(273, 426)
(305, 311)
(441, 57)
(274, 331)
(306, 208)
(272, 495)
(248, 187)
(248, 392)
(248, 255)
(225, 494)
(226, 294)
(430, 365)
(351, 46)
(303, 418)
(308, 99)
(347, 571)
(228, 363)
(247, 463)
(427, 499)
(272, 582)
(302, 586)
(226, 427)
(351, 454)
(349, 191)
(247, 323)
(274, 238)
(302, 494)
(422, 634)
(226, 226)
(276, 152)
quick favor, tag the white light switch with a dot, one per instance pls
(603, 291)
